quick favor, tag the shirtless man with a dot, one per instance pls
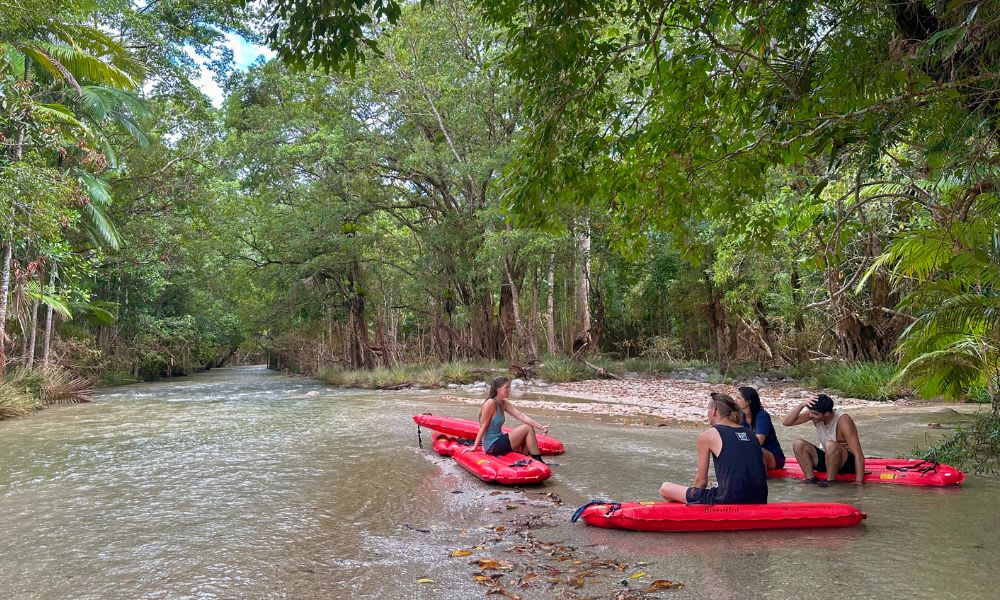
(839, 450)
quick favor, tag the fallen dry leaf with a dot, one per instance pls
(459, 553)
(637, 575)
(486, 563)
(425, 580)
(662, 584)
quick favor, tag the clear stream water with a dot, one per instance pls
(243, 483)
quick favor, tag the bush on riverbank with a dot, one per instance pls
(16, 398)
(429, 376)
(868, 380)
(975, 446)
(23, 392)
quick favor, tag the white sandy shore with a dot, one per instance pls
(671, 399)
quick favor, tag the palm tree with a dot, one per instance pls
(83, 82)
(953, 266)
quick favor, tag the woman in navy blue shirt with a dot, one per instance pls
(759, 421)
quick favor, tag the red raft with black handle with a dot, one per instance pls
(675, 517)
(507, 469)
(899, 471)
(467, 429)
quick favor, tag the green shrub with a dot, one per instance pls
(332, 375)
(431, 376)
(458, 372)
(871, 380)
(19, 396)
(561, 370)
(975, 446)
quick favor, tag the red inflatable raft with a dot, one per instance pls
(507, 469)
(674, 516)
(467, 429)
(900, 471)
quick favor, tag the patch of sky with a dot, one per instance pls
(244, 54)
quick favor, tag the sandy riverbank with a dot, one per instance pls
(664, 398)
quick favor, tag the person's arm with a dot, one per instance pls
(762, 426)
(797, 415)
(485, 416)
(704, 446)
(849, 430)
(520, 416)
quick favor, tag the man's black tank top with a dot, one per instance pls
(739, 468)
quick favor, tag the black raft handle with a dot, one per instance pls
(612, 507)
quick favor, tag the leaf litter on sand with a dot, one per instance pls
(523, 563)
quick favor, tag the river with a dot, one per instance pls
(244, 483)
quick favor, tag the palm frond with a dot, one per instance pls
(86, 67)
(14, 59)
(93, 102)
(61, 114)
(34, 291)
(99, 227)
(950, 370)
(96, 313)
(100, 101)
(133, 129)
(94, 41)
(96, 187)
(109, 152)
(43, 58)
(63, 386)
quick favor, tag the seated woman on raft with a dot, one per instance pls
(491, 417)
(739, 463)
(759, 421)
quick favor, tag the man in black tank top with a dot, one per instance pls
(739, 463)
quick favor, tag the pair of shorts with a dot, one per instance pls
(501, 446)
(700, 495)
(847, 467)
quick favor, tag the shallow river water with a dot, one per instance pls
(243, 483)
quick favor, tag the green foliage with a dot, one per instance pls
(555, 369)
(975, 445)
(331, 35)
(16, 400)
(458, 372)
(869, 380)
(872, 381)
(954, 267)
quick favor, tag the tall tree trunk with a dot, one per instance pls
(30, 354)
(598, 323)
(534, 318)
(799, 323)
(550, 308)
(720, 339)
(767, 333)
(582, 341)
(4, 293)
(48, 317)
(515, 297)
(507, 326)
